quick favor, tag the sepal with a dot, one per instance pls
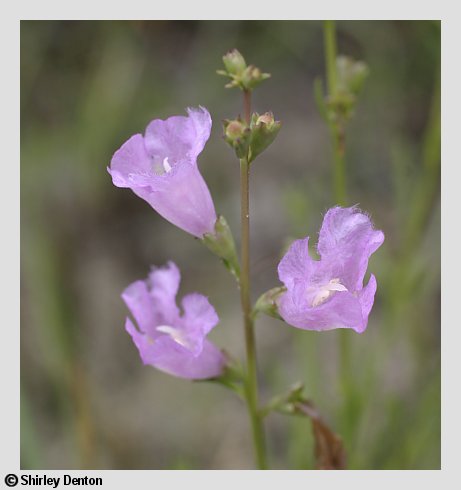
(221, 243)
(264, 130)
(232, 377)
(267, 303)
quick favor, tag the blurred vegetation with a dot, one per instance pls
(86, 86)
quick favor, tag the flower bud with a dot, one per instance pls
(267, 118)
(234, 62)
(241, 76)
(252, 77)
(340, 105)
(237, 135)
(264, 129)
(234, 130)
(351, 74)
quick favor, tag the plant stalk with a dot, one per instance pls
(329, 37)
(339, 144)
(336, 125)
(251, 381)
(338, 137)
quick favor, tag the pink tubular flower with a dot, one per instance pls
(161, 168)
(329, 293)
(167, 340)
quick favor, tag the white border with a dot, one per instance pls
(228, 9)
(232, 9)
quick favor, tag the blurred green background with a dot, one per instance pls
(86, 399)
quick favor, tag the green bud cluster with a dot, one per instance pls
(248, 141)
(241, 76)
(351, 74)
(340, 105)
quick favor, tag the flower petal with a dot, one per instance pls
(141, 340)
(183, 198)
(172, 358)
(198, 320)
(296, 263)
(343, 310)
(174, 344)
(199, 314)
(163, 283)
(201, 122)
(129, 162)
(346, 241)
(179, 138)
(161, 168)
(366, 298)
(298, 269)
(137, 298)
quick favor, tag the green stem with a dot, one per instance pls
(339, 151)
(339, 144)
(251, 385)
(330, 54)
(336, 124)
(251, 382)
(338, 137)
(247, 105)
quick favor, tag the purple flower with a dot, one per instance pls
(328, 293)
(161, 167)
(168, 340)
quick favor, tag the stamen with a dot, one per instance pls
(166, 165)
(161, 167)
(326, 291)
(175, 334)
(321, 297)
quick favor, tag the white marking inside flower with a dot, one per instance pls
(175, 334)
(160, 167)
(327, 290)
(166, 165)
